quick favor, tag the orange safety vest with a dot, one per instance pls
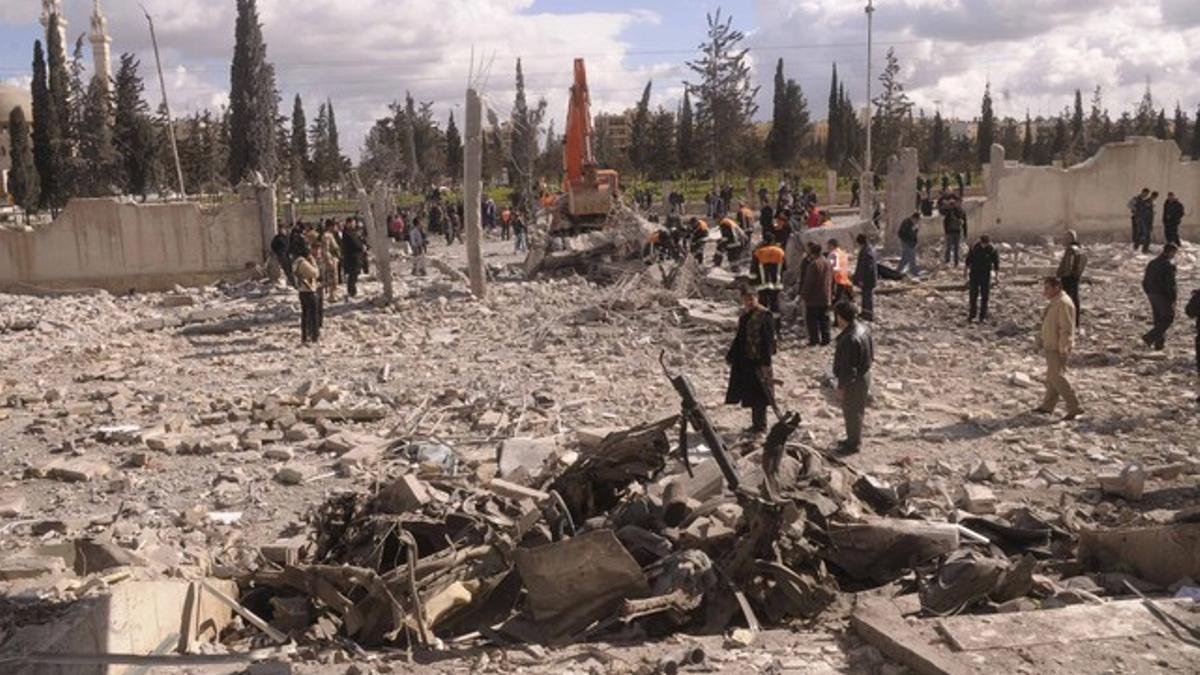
(768, 264)
(841, 267)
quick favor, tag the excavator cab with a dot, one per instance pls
(591, 191)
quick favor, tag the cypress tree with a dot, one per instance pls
(96, 150)
(454, 150)
(834, 148)
(685, 135)
(640, 150)
(133, 131)
(987, 127)
(334, 162)
(45, 134)
(1077, 116)
(298, 170)
(1027, 146)
(1181, 127)
(779, 120)
(23, 177)
(937, 141)
(253, 103)
(1196, 137)
(1160, 125)
(318, 139)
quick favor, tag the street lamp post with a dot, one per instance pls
(868, 175)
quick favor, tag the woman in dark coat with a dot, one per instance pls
(749, 359)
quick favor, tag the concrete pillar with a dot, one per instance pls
(830, 187)
(903, 169)
(995, 170)
(866, 183)
(264, 194)
(472, 187)
(666, 199)
(291, 213)
(381, 242)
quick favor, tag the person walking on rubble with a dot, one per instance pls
(309, 287)
(353, 253)
(1057, 341)
(1135, 216)
(749, 359)
(1070, 270)
(1161, 289)
(954, 225)
(768, 262)
(520, 234)
(416, 244)
(910, 229)
(852, 360)
(982, 260)
(280, 244)
(1172, 218)
(816, 292)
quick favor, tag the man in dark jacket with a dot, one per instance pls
(852, 367)
(1070, 270)
(954, 224)
(866, 276)
(982, 259)
(1172, 217)
(816, 291)
(910, 229)
(749, 359)
(280, 244)
(352, 257)
(1193, 311)
(1160, 287)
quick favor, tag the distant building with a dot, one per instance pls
(618, 129)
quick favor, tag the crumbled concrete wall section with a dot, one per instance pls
(119, 246)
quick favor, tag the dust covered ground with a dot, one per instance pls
(162, 408)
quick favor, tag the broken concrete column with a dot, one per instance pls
(381, 243)
(264, 192)
(472, 188)
(831, 177)
(994, 171)
(901, 193)
(866, 183)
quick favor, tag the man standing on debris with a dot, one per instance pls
(1135, 216)
(1070, 271)
(307, 283)
(767, 273)
(416, 242)
(353, 252)
(1172, 217)
(910, 228)
(1160, 287)
(981, 261)
(816, 291)
(1193, 312)
(954, 224)
(520, 233)
(852, 367)
(331, 258)
(866, 276)
(749, 359)
(280, 244)
(1057, 340)
(839, 260)
(505, 224)
(855, 194)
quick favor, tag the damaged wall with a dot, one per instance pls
(1090, 197)
(119, 246)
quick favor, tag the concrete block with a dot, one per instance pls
(406, 493)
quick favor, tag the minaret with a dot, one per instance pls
(100, 46)
(50, 7)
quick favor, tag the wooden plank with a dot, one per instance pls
(878, 622)
(1120, 619)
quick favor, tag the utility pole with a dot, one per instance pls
(162, 83)
(868, 179)
(472, 187)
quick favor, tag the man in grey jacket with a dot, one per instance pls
(852, 367)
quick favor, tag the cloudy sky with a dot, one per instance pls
(365, 53)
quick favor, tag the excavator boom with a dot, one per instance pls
(590, 191)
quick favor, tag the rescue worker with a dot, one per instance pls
(767, 272)
(1057, 341)
(1161, 289)
(816, 292)
(981, 261)
(852, 360)
(659, 246)
(732, 245)
(698, 228)
(839, 260)
(749, 358)
(866, 276)
(1070, 271)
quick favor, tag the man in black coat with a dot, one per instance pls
(954, 225)
(1162, 291)
(852, 367)
(1172, 217)
(982, 259)
(866, 276)
(1193, 312)
(280, 244)
(352, 257)
(749, 359)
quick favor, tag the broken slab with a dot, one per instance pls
(77, 470)
(1129, 484)
(1162, 555)
(12, 503)
(707, 313)
(406, 493)
(976, 499)
(882, 549)
(878, 621)
(521, 459)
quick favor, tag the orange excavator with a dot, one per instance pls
(591, 191)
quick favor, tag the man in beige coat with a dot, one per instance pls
(1057, 342)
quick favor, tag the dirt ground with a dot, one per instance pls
(548, 357)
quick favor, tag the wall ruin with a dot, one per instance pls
(121, 246)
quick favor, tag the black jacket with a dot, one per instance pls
(854, 354)
(908, 231)
(1172, 212)
(866, 273)
(749, 359)
(352, 250)
(954, 220)
(981, 260)
(1160, 278)
(280, 243)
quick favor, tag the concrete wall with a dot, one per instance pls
(1090, 197)
(119, 246)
